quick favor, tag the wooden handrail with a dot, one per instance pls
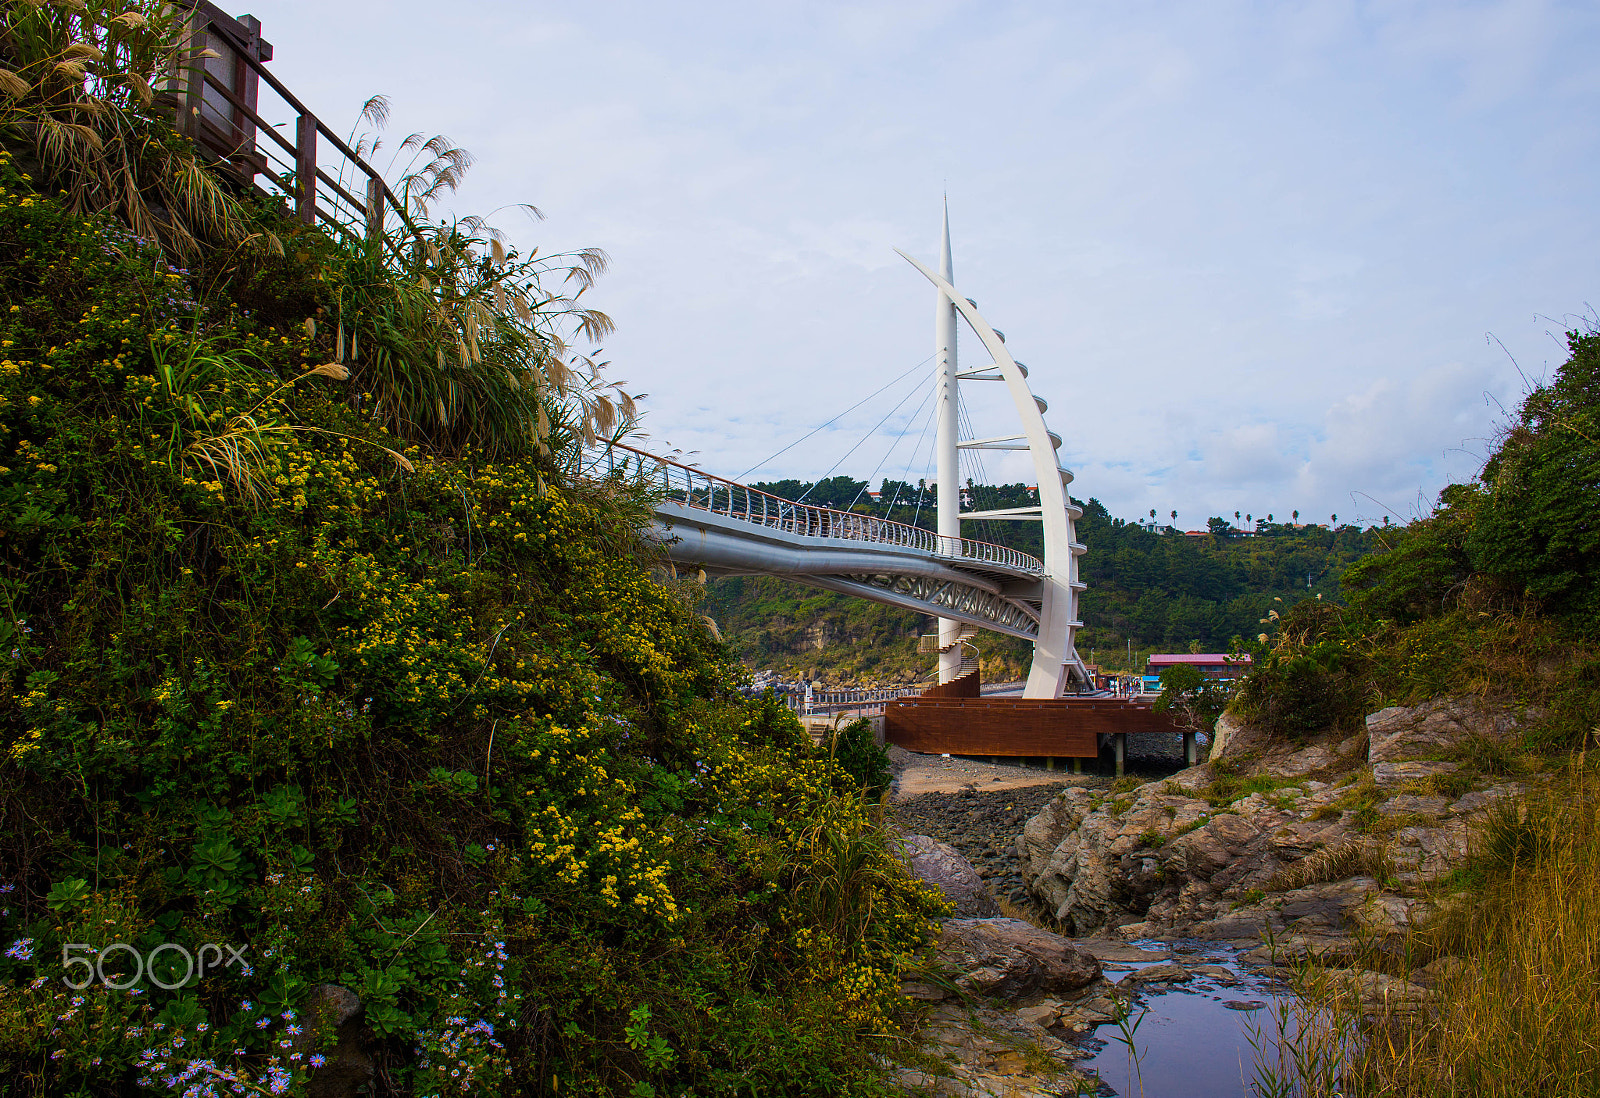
(243, 43)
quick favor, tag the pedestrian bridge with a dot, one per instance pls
(729, 529)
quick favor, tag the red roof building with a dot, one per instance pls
(1216, 665)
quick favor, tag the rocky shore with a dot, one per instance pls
(1315, 842)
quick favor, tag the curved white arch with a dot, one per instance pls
(1055, 655)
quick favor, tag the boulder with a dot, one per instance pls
(1435, 729)
(1011, 959)
(941, 865)
(1233, 737)
(349, 1069)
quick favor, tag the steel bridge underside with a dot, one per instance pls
(988, 595)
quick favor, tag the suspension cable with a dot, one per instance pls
(835, 419)
(915, 450)
(893, 446)
(863, 440)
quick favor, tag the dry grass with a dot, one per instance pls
(1355, 858)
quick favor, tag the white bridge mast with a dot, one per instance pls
(948, 497)
(1055, 655)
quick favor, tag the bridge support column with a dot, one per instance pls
(1077, 766)
(1190, 749)
(1119, 745)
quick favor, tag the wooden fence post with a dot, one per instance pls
(374, 207)
(305, 174)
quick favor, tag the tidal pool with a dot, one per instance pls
(1195, 1040)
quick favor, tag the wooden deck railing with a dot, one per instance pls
(218, 104)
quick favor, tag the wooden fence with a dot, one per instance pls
(218, 102)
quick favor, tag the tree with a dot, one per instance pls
(1194, 700)
(1537, 528)
(1296, 516)
(1236, 518)
(1174, 516)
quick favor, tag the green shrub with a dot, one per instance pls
(856, 750)
(1313, 678)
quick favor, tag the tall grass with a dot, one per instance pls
(457, 341)
(1518, 1010)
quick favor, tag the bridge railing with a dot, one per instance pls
(698, 489)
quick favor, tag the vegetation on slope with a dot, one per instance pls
(375, 692)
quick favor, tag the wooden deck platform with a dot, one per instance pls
(1064, 728)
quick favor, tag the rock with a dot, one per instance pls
(1300, 763)
(1440, 970)
(1233, 737)
(1165, 973)
(1435, 728)
(1388, 775)
(1163, 861)
(1292, 949)
(1326, 906)
(984, 1053)
(1420, 854)
(942, 866)
(1011, 959)
(1379, 992)
(1107, 951)
(349, 1068)
(1244, 1004)
(1407, 804)
(1387, 914)
(1042, 1013)
(1480, 799)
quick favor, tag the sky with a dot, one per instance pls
(1258, 257)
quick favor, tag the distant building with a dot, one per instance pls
(1214, 665)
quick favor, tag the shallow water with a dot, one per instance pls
(1190, 1044)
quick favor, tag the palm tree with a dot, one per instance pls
(1174, 516)
(1236, 518)
(1296, 516)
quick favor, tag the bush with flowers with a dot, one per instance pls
(287, 701)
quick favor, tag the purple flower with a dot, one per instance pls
(317, 1059)
(21, 950)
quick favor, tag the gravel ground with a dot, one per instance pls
(983, 826)
(980, 808)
